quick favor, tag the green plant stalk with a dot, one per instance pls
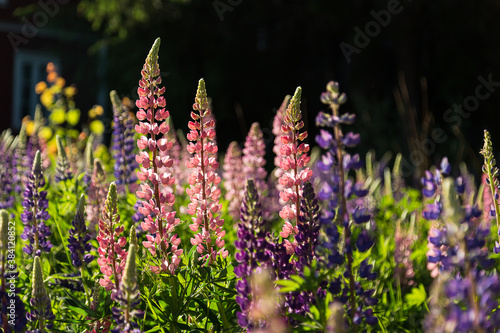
(61, 236)
(492, 189)
(347, 230)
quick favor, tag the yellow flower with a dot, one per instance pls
(98, 110)
(61, 82)
(45, 133)
(70, 91)
(47, 98)
(51, 77)
(58, 116)
(40, 87)
(97, 127)
(91, 114)
(30, 125)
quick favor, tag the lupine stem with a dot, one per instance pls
(347, 230)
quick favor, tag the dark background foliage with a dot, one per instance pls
(253, 53)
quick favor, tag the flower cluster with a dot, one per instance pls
(159, 221)
(35, 212)
(79, 239)
(344, 207)
(204, 181)
(40, 301)
(467, 297)
(63, 171)
(234, 178)
(128, 297)
(254, 161)
(294, 164)
(253, 252)
(111, 253)
(123, 143)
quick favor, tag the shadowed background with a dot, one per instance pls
(400, 81)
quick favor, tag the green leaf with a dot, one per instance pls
(288, 286)
(417, 297)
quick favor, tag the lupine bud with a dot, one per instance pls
(40, 301)
(128, 297)
(63, 171)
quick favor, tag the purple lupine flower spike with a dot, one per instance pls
(79, 239)
(346, 208)
(123, 144)
(40, 301)
(35, 212)
(465, 296)
(253, 252)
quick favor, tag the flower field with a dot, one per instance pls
(169, 232)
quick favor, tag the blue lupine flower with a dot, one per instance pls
(79, 239)
(35, 212)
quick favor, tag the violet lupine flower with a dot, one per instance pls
(253, 253)
(306, 240)
(63, 171)
(337, 191)
(35, 212)
(7, 171)
(254, 157)
(203, 181)
(309, 226)
(294, 164)
(18, 317)
(160, 222)
(111, 253)
(40, 301)
(97, 191)
(128, 297)
(234, 178)
(492, 172)
(79, 238)
(123, 144)
(466, 296)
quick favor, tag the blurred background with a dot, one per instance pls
(423, 77)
